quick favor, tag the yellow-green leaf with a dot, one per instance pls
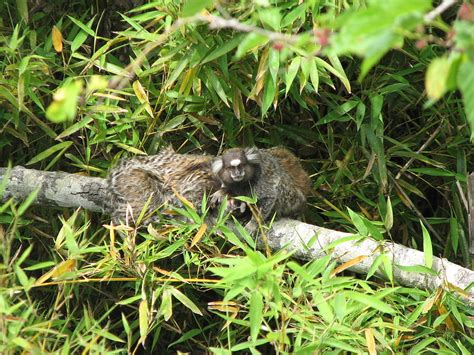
(427, 247)
(249, 43)
(437, 77)
(143, 320)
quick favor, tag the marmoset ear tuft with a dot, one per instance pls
(217, 165)
(252, 154)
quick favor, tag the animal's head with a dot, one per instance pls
(237, 165)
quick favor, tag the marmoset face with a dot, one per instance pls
(236, 165)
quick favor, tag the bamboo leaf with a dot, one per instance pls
(46, 153)
(192, 7)
(181, 297)
(427, 247)
(466, 85)
(57, 39)
(255, 314)
(291, 73)
(143, 320)
(223, 49)
(436, 77)
(249, 43)
(370, 301)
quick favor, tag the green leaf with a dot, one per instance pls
(46, 153)
(29, 200)
(420, 269)
(436, 77)
(271, 17)
(192, 7)
(427, 247)
(388, 267)
(324, 308)
(166, 307)
(274, 64)
(86, 28)
(438, 172)
(249, 43)
(223, 49)
(181, 297)
(358, 222)
(466, 86)
(313, 74)
(255, 314)
(216, 85)
(370, 301)
(41, 265)
(371, 31)
(268, 94)
(75, 127)
(420, 347)
(64, 105)
(81, 36)
(22, 8)
(374, 267)
(22, 277)
(297, 12)
(291, 72)
(336, 69)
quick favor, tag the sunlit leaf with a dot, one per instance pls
(199, 234)
(249, 43)
(57, 39)
(291, 72)
(255, 314)
(270, 17)
(222, 49)
(466, 85)
(64, 105)
(436, 77)
(369, 337)
(143, 320)
(370, 301)
(192, 7)
(427, 247)
(358, 222)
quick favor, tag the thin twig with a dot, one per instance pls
(422, 148)
(445, 4)
(416, 210)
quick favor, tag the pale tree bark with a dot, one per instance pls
(305, 240)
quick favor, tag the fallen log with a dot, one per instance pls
(71, 190)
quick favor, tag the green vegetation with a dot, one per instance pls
(376, 97)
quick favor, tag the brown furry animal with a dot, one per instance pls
(157, 180)
(275, 176)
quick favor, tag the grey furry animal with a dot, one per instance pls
(275, 176)
(157, 180)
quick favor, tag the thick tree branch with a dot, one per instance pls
(55, 188)
(70, 190)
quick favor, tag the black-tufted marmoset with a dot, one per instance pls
(275, 176)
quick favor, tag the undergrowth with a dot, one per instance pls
(70, 282)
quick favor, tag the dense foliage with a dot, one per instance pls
(376, 97)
